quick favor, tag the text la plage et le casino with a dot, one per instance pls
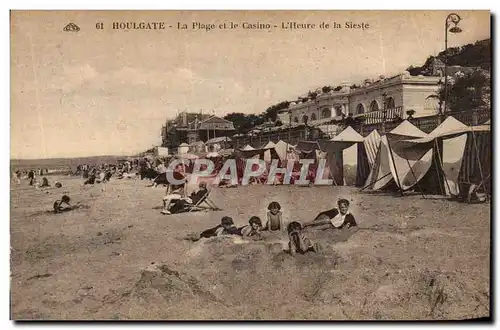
(229, 25)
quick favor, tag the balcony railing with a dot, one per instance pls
(376, 117)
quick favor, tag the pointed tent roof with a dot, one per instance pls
(373, 135)
(248, 147)
(448, 126)
(408, 129)
(270, 144)
(348, 135)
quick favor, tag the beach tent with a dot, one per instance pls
(282, 149)
(267, 153)
(307, 149)
(183, 149)
(395, 168)
(336, 150)
(197, 147)
(461, 155)
(268, 145)
(248, 148)
(367, 154)
(218, 143)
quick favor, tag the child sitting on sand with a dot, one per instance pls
(253, 228)
(274, 217)
(298, 242)
(59, 207)
(336, 218)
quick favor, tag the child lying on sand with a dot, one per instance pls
(253, 228)
(335, 218)
(226, 227)
(62, 205)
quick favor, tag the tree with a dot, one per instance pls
(240, 121)
(326, 89)
(271, 113)
(469, 91)
(312, 95)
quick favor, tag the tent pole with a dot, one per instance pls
(441, 164)
(371, 184)
(434, 160)
(477, 157)
(414, 176)
(395, 169)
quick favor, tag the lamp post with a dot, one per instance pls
(289, 130)
(455, 19)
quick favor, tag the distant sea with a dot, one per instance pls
(62, 163)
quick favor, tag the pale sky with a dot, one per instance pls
(108, 92)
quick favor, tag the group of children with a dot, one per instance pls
(336, 218)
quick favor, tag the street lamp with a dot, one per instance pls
(289, 130)
(455, 19)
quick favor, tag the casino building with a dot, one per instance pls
(396, 94)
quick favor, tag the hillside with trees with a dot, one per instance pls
(470, 55)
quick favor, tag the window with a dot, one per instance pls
(296, 120)
(305, 118)
(360, 109)
(313, 116)
(326, 113)
(338, 111)
(390, 103)
(374, 106)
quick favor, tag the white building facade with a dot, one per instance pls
(403, 91)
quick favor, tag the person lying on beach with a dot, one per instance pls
(181, 204)
(63, 204)
(253, 228)
(337, 218)
(225, 228)
(274, 217)
(298, 242)
(227, 184)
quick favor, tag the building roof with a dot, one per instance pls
(216, 123)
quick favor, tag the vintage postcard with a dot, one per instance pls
(250, 165)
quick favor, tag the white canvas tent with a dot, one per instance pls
(367, 157)
(267, 153)
(336, 153)
(268, 145)
(448, 142)
(393, 167)
(248, 147)
(282, 149)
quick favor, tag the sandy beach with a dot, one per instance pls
(117, 257)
